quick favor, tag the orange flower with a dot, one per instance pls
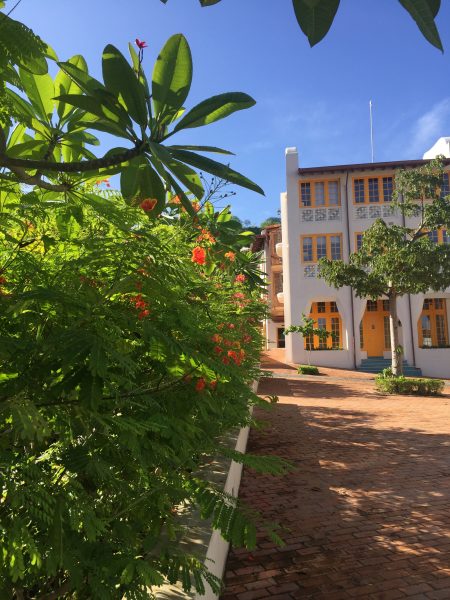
(148, 204)
(176, 200)
(196, 206)
(213, 384)
(230, 255)
(143, 313)
(216, 338)
(198, 255)
(218, 350)
(240, 278)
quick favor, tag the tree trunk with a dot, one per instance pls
(396, 349)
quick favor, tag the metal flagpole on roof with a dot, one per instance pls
(371, 127)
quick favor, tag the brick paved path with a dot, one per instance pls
(368, 508)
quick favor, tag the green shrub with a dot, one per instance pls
(407, 385)
(308, 370)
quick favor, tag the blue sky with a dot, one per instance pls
(315, 99)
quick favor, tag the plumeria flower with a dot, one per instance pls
(141, 44)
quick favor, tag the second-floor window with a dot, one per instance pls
(319, 193)
(371, 190)
(315, 247)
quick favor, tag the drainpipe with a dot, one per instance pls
(351, 289)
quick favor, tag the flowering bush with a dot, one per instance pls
(122, 363)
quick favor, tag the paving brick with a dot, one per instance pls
(367, 506)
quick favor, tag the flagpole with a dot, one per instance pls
(371, 127)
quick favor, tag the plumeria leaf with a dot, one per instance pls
(315, 17)
(172, 76)
(215, 168)
(121, 80)
(215, 108)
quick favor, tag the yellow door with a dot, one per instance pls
(373, 330)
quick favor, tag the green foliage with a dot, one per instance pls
(315, 17)
(308, 370)
(123, 363)
(408, 385)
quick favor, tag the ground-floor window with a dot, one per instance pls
(433, 324)
(326, 316)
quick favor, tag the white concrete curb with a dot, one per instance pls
(216, 556)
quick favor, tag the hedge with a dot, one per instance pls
(409, 385)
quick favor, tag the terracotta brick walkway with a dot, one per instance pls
(367, 511)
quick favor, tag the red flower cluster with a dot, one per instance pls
(200, 385)
(206, 236)
(237, 357)
(241, 278)
(105, 181)
(230, 255)
(141, 305)
(198, 255)
(196, 206)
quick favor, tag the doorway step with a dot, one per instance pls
(376, 364)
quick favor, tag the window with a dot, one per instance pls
(321, 308)
(322, 324)
(445, 189)
(315, 247)
(433, 236)
(319, 188)
(359, 239)
(373, 189)
(308, 255)
(321, 246)
(305, 190)
(358, 187)
(335, 332)
(335, 243)
(385, 305)
(326, 316)
(372, 306)
(319, 193)
(388, 188)
(445, 237)
(361, 335)
(433, 325)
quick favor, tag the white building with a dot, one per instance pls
(324, 211)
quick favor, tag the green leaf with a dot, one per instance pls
(81, 77)
(40, 91)
(187, 176)
(65, 85)
(16, 136)
(203, 149)
(315, 17)
(129, 179)
(172, 76)
(215, 108)
(121, 80)
(142, 78)
(27, 148)
(91, 105)
(215, 168)
(21, 106)
(423, 13)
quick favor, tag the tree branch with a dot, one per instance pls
(37, 180)
(74, 167)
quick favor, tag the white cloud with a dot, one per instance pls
(429, 127)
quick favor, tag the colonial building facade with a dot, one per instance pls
(324, 212)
